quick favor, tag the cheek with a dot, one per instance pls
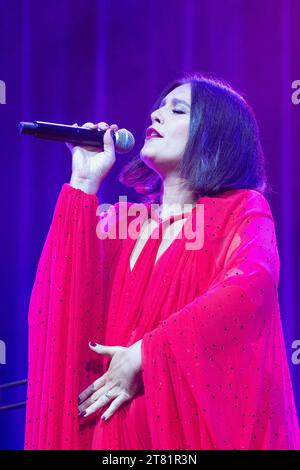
(185, 134)
(180, 137)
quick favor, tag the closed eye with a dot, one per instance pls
(177, 111)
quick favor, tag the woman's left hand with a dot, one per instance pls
(120, 383)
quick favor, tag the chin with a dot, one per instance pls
(152, 162)
(147, 157)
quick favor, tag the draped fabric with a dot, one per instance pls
(214, 366)
(99, 60)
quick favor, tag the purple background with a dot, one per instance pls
(78, 61)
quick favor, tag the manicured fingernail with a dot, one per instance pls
(103, 418)
(82, 413)
(93, 344)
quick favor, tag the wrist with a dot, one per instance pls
(84, 184)
(136, 354)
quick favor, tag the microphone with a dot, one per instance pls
(123, 139)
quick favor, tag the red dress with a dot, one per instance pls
(214, 365)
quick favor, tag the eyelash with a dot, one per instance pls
(178, 112)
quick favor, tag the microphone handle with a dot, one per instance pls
(64, 133)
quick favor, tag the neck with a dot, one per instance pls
(175, 196)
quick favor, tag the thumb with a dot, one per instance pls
(108, 142)
(101, 349)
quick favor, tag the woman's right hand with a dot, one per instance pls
(89, 166)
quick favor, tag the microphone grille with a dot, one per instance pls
(124, 141)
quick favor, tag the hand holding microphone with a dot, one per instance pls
(89, 166)
(93, 148)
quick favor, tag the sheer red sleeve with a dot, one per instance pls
(67, 310)
(215, 372)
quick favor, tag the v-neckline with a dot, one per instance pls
(161, 222)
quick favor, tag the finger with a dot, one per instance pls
(114, 127)
(102, 125)
(88, 125)
(101, 349)
(92, 388)
(90, 400)
(102, 401)
(115, 405)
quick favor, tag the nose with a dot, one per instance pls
(156, 116)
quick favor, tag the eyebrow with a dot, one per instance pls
(174, 101)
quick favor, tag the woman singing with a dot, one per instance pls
(171, 339)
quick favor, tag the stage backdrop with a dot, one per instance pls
(77, 61)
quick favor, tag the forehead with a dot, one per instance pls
(181, 92)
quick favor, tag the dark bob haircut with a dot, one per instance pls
(223, 151)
